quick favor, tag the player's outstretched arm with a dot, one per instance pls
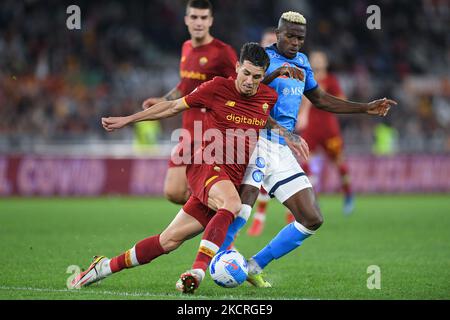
(327, 102)
(296, 143)
(160, 110)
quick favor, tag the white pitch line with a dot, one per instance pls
(111, 293)
(132, 294)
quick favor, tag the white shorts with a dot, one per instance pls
(274, 167)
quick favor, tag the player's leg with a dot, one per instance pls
(313, 169)
(249, 189)
(224, 199)
(248, 195)
(308, 220)
(259, 217)
(183, 227)
(175, 185)
(291, 187)
(334, 149)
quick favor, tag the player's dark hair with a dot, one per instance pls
(254, 53)
(199, 4)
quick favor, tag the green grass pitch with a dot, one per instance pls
(408, 237)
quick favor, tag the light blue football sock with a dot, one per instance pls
(289, 238)
(237, 225)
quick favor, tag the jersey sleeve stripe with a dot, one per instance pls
(185, 103)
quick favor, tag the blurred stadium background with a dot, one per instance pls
(56, 84)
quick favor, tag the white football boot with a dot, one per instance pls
(98, 270)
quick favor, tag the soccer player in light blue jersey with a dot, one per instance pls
(272, 164)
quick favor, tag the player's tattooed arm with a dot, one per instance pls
(173, 94)
(296, 143)
(160, 110)
(286, 71)
(327, 102)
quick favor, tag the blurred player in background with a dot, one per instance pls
(321, 129)
(202, 58)
(274, 166)
(268, 38)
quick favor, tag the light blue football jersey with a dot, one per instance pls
(290, 91)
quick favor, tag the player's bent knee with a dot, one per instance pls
(315, 223)
(314, 220)
(233, 205)
(177, 196)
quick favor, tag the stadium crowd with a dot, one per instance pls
(55, 83)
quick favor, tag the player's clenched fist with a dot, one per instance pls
(113, 123)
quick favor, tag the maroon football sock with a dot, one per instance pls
(213, 238)
(142, 253)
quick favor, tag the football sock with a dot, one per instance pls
(260, 216)
(237, 225)
(345, 179)
(200, 273)
(142, 253)
(213, 238)
(289, 238)
(261, 207)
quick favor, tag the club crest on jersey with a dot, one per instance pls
(230, 103)
(257, 175)
(183, 58)
(265, 106)
(260, 162)
(203, 61)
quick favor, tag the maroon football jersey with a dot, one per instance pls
(201, 64)
(319, 120)
(232, 120)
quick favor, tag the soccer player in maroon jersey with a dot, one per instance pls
(202, 58)
(321, 129)
(236, 110)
